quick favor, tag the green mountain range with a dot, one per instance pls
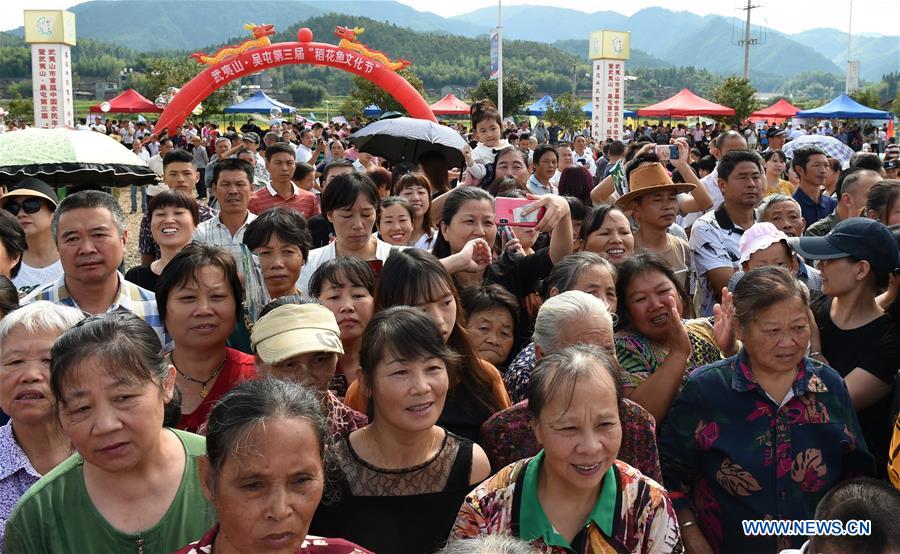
(676, 38)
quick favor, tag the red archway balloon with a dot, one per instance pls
(302, 52)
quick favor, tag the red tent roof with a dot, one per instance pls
(778, 111)
(683, 104)
(450, 105)
(129, 101)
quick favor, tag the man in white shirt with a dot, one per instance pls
(723, 144)
(156, 162)
(583, 154)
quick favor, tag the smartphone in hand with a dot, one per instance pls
(508, 211)
(665, 152)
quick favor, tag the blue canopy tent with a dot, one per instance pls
(843, 107)
(372, 111)
(259, 103)
(588, 109)
(539, 107)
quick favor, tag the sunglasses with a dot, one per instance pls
(30, 205)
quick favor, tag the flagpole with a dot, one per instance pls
(500, 58)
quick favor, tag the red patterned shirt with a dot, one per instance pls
(301, 200)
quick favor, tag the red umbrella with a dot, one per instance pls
(684, 104)
(450, 105)
(777, 112)
(129, 101)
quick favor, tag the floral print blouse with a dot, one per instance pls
(643, 521)
(732, 453)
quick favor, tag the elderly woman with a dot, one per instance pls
(132, 485)
(280, 239)
(264, 472)
(763, 434)
(199, 300)
(32, 443)
(583, 271)
(574, 496)
(656, 346)
(298, 340)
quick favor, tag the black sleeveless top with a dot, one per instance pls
(396, 511)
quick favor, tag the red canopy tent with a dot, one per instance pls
(683, 104)
(450, 105)
(129, 101)
(776, 113)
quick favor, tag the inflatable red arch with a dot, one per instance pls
(302, 52)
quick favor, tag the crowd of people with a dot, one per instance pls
(321, 351)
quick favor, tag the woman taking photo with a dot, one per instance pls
(775, 163)
(264, 472)
(173, 218)
(199, 300)
(467, 222)
(657, 347)
(351, 203)
(32, 442)
(416, 278)
(767, 431)
(402, 465)
(280, 239)
(346, 286)
(132, 485)
(416, 188)
(574, 496)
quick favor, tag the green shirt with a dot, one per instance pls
(533, 521)
(56, 514)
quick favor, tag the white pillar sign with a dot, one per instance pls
(51, 35)
(608, 50)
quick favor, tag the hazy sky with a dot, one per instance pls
(869, 16)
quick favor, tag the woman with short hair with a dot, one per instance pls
(762, 434)
(281, 241)
(574, 496)
(32, 442)
(132, 485)
(199, 298)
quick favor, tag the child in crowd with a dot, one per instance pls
(488, 126)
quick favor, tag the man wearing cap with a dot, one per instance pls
(764, 245)
(302, 342)
(652, 200)
(892, 169)
(715, 239)
(33, 202)
(858, 338)
(251, 143)
(851, 190)
(810, 163)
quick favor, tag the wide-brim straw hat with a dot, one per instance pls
(650, 178)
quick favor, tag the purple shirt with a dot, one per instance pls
(16, 475)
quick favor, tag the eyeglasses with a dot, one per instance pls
(30, 205)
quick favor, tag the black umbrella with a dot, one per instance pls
(405, 138)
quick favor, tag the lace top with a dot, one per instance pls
(399, 511)
(428, 477)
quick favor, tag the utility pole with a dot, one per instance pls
(500, 58)
(747, 42)
(849, 44)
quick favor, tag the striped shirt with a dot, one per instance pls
(213, 231)
(140, 302)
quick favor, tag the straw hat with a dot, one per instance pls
(650, 178)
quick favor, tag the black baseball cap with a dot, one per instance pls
(774, 132)
(859, 237)
(892, 164)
